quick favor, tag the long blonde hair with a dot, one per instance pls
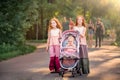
(58, 24)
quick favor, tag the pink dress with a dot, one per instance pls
(54, 47)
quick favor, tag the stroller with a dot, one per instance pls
(69, 56)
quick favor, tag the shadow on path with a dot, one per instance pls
(104, 65)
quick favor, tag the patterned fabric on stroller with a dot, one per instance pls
(69, 52)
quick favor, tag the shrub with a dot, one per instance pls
(9, 51)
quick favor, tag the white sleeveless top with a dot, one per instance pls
(54, 36)
(81, 31)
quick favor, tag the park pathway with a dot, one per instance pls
(104, 65)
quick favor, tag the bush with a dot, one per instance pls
(9, 51)
(118, 36)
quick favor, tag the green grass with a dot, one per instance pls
(10, 51)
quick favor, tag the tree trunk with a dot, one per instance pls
(37, 30)
(42, 29)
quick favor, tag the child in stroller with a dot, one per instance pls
(69, 52)
(70, 49)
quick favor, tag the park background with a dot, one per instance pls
(23, 21)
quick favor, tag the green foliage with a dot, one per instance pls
(118, 36)
(17, 16)
(6, 48)
(9, 51)
(15, 19)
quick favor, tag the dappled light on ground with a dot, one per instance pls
(40, 70)
(104, 62)
(41, 46)
(104, 65)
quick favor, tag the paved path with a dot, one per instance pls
(104, 65)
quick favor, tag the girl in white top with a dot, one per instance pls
(53, 44)
(81, 28)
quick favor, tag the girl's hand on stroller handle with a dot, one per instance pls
(59, 40)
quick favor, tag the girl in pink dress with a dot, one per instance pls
(53, 44)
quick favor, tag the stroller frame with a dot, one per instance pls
(75, 68)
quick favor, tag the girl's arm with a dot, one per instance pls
(83, 33)
(48, 41)
(60, 35)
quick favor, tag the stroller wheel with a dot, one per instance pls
(79, 72)
(61, 73)
(74, 72)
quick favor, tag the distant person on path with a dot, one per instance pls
(53, 44)
(90, 33)
(65, 24)
(99, 31)
(71, 24)
(81, 28)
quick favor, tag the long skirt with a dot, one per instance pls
(84, 61)
(54, 64)
(54, 52)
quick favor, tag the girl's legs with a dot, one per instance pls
(51, 64)
(91, 40)
(85, 65)
(57, 63)
(90, 36)
(52, 59)
(84, 61)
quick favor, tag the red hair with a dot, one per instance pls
(58, 24)
(83, 21)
